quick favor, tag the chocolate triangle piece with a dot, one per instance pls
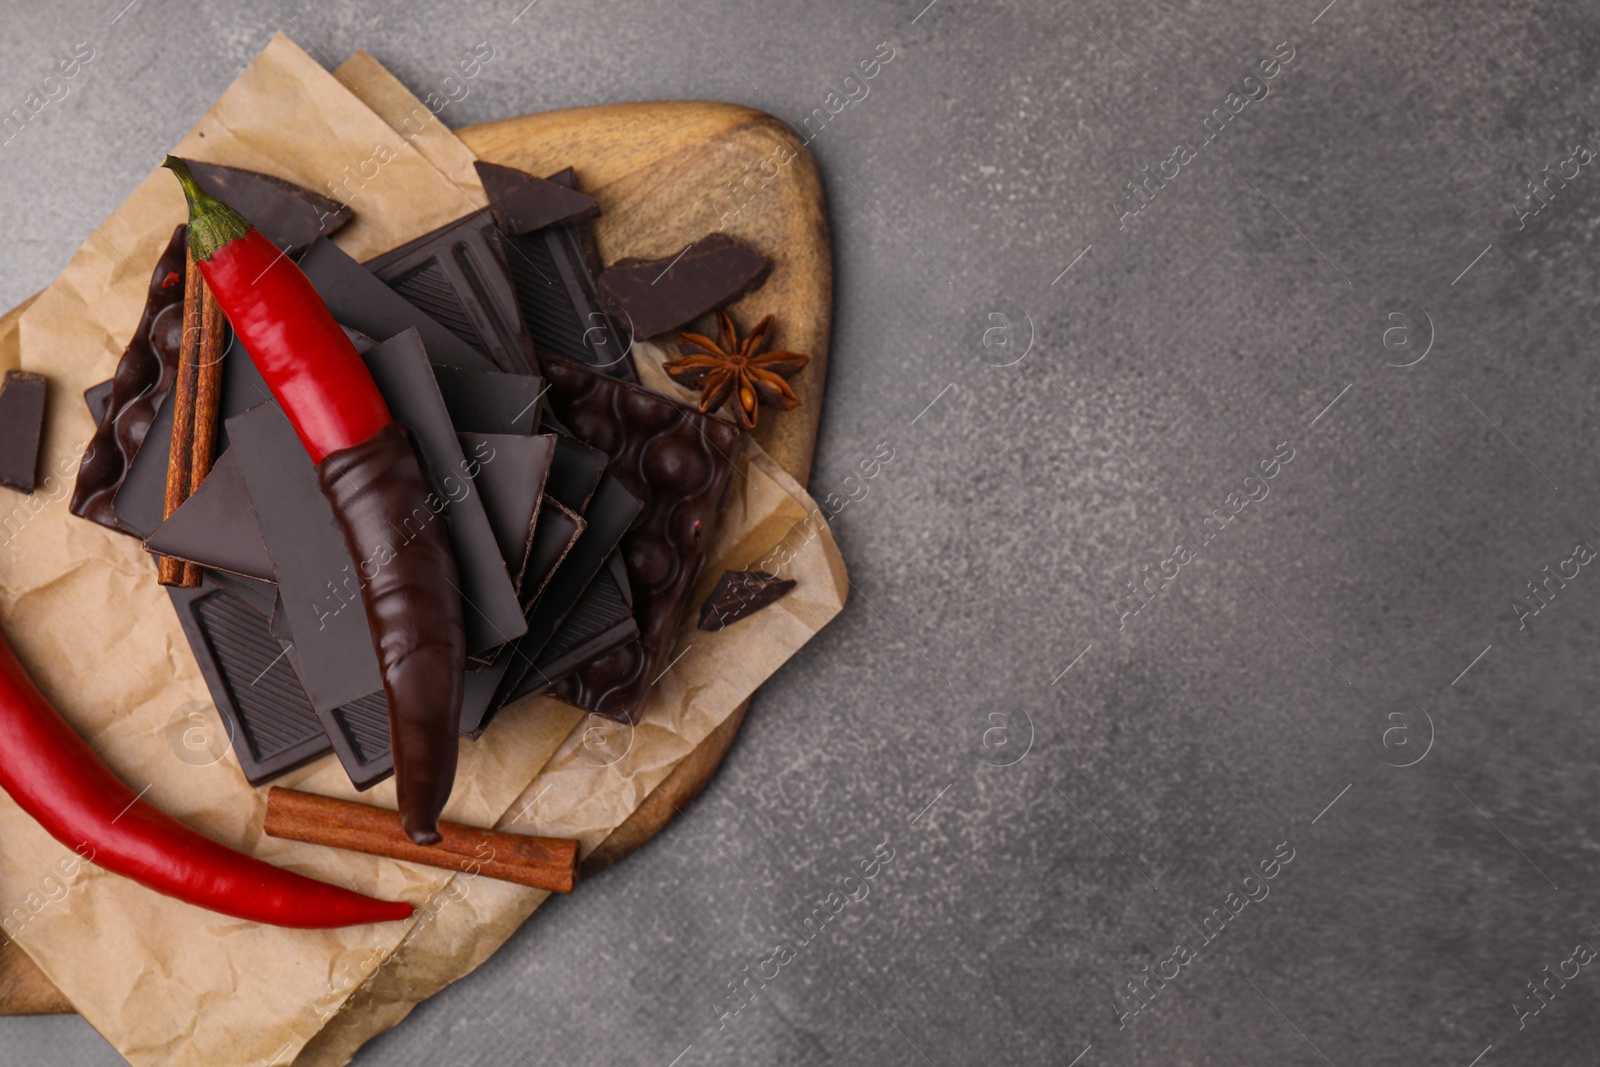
(740, 594)
(522, 202)
(680, 463)
(216, 527)
(288, 215)
(144, 376)
(554, 534)
(658, 295)
(491, 402)
(553, 270)
(510, 476)
(22, 398)
(459, 275)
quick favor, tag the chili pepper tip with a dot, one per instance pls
(212, 223)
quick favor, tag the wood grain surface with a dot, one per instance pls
(665, 174)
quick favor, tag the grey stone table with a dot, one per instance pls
(1099, 674)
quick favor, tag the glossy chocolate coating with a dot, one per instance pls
(680, 463)
(414, 611)
(144, 376)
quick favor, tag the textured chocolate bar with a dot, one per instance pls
(522, 202)
(268, 718)
(680, 463)
(553, 270)
(286, 214)
(458, 274)
(361, 302)
(22, 402)
(653, 296)
(144, 376)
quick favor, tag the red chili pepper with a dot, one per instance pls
(58, 780)
(370, 473)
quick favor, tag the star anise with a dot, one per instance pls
(741, 370)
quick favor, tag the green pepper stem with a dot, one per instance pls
(212, 223)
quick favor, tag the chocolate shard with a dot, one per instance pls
(22, 401)
(522, 202)
(658, 295)
(361, 302)
(144, 376)
(553, 270)
(216, 527)
(288, 215)
(599, 622)
(459, 276)
(680, 463)
(740, 594)
(510, 476)
(269, 723)
(489, 401)
(554, 535)
(97, 398)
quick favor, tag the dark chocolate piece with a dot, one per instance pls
(318, 582)
(144, 376)
(493, 612)
(361, 302)
(269, 721)
(658, 295)
(575, 473)
(680, 463)
(553, 270)
(557, 530)
(491, 402)
(413, 604)
(97, 398)
(601, 620)
(216, 527)
(510, 479)
(610, 513)
(458, 274)
(288, 215)
(739, 594)
(22, 402)
(522, 202)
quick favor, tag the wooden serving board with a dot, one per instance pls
(665, 174)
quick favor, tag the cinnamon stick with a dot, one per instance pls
(196, 399)
(538, 862)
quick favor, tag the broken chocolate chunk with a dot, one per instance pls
(658, 295)
(681, 464)
(288, 215)
(22, 398)
(144, 376)
(458, 274)
(97, 398)
(522, 202)
(740, 594)
(217, 526)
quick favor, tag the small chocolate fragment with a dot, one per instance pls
(510, 477)
(144, 376)
(554, 535)
(270, 724)
(361, 302)
(97, 398)
(22, 398)
(522, 203)
(575, 473)
(658, 295)
(288, 215)
(217, 527)
(739, 594)
(681, 464)
(458, 274)
(554, 270)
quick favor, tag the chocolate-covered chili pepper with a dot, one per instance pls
(371, 475)
(56, 778)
